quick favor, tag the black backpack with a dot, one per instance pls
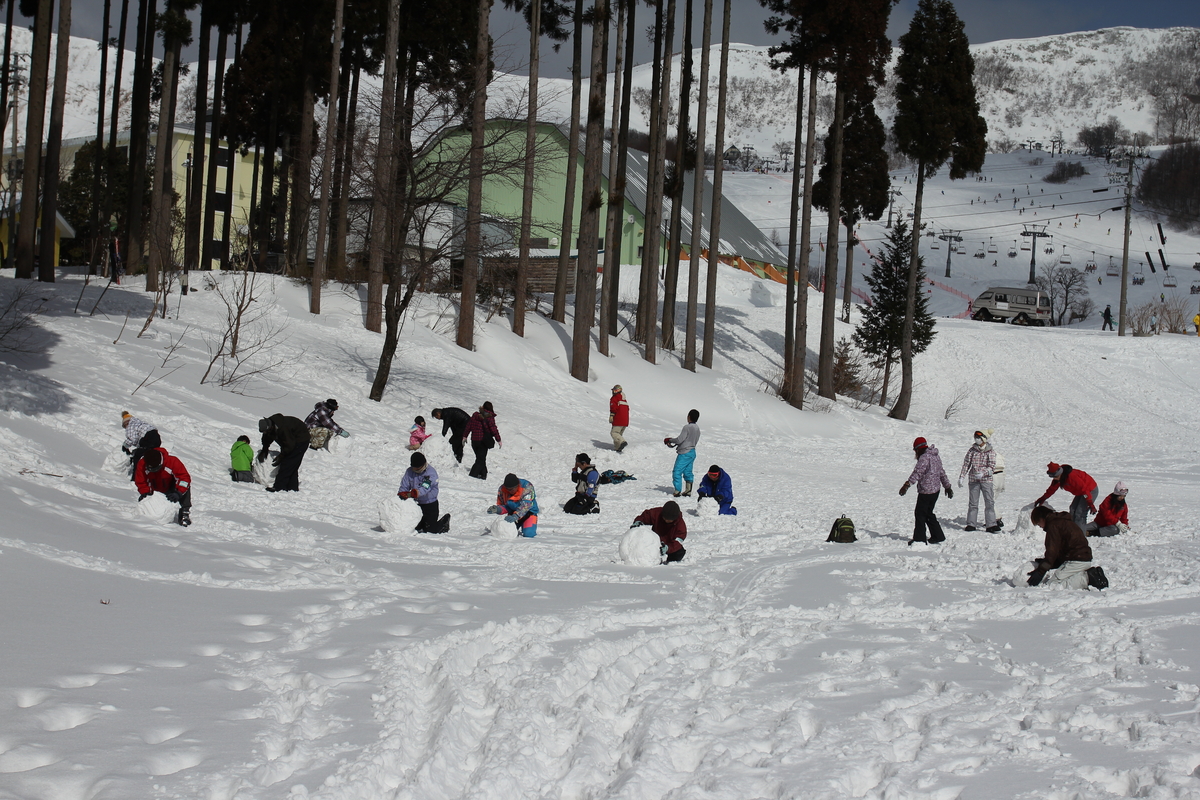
(842, 531)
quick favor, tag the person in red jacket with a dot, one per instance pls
(618, 417)
(1075, 482)
(668, 523)
(159, 471)
(1113, 515)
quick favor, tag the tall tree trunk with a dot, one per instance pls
(280, 200)
(335, 71)
(193, 206)
(904, 398)
(714, 222)
(473, 244)
(139, 135)
(675, 236)
(340, 218)
(62, 54)
(35, 115)
(4, 119)
(384, 177)
(107, 232)
(613, 222)
(800, 371)
(658, 157)
(642, 328)
(559, 311)
(158, 247)
(267, 188)
(829, 303)
(301, 178)
(535, 32)
(214, 147)
(339, 167)
(694, 255)
(847, 292)
(94, 246)
(789, 386)
(593, 199)
(622, 162)
(887, 374)
(227, 220)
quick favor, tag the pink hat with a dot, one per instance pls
(1121, 489)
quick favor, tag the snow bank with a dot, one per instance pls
(641, 547)
(398, 515)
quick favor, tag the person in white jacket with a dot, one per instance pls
(978, 469)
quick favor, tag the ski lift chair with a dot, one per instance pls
(1066, 258)
(1025, 246)
(1169, 281)
(1012, 252)
(1090, 267)
(934, 245)
(1113, 270)
(980, 254)
(1195, 288)
(993, 249)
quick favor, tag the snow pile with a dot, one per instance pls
(157, 508)
(398, 515)
(1020, 575)
(707, 508)
(502, 528)
(640, 547)
(264, 471)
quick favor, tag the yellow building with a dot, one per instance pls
(62, 230)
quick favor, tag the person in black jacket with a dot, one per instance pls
(292, 436)
(454, 420)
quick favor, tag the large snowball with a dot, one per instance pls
(707, 507)
(398, 516)
(1024, 526)
(263, 471)
(157, 508)
(502, 528)
(641, 547)
(1020, 576)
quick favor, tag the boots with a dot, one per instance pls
(687, 488)
(184, 518)
(1096, 578)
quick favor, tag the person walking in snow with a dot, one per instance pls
(717, 484)
(1068, 557)
(1113, 516)
(685, 454)
(586, 478)
(159, 471)
(420, 483)
(929, 478)
(140, 438)
(1196, 322)
(516, 499)
(417, 434)
(1108, 320)
(484, 436)
(293, 438)
(618, 417)
(1075, 482)
(668, 523)
(978, 469)
(454, 421)
(241, 461)
(321, 425)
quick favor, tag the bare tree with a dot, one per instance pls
(335, 70)
(54, 146)
(247, 346)
(472, 249)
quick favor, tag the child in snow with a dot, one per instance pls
(1068, 558)
(929, 477)
(1075, 482)
(1113, 516)
(668, 523)
(517, 501)
(140, 438)
(484, 436)
(321, 425)
(420, 482)
(159, 471)
(717, 485)
(586, 478)
(417, 434)
(618, 417)
(978, 467)
(685, 454)
(241, 457)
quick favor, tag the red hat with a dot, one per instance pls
(919, 443)
(1053, 469)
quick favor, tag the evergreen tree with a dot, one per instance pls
(882, 329)
(75, 198)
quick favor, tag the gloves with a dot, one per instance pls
(610, 419)
(949, 493)
(495, 510)
(1036, 576)
(126, 450)
(143, 496)
(667, 441)
(262, 455)
(510, 517)
(174, 497)
(275, 461)
(904, 489)
(637, 524)
(960, 483)
(344, 434)
(410, 494)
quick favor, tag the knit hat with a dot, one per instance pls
(919, 443)
(1120, 489)
(125, 417)
(984, 434)
(331, 404)
(264, 425)
(417, 461)
(153, 460)
(583, 458)
(511, 481)
(618, 388)
(670, 511)
(1053, 470)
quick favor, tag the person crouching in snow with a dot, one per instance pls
(717, 485)
(1075, 482)
(978, 468)
(1068, 558)
(417, 434)
(685, 454)
(618, 417)
(241, 460)
(668, 523)
(420, 482)
(321, 425)
(929, 478)
(159, 471)
(517, 500)
(586, 479)
(1113, 516)
(140, 438)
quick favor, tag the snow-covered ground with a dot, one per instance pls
(288, 647)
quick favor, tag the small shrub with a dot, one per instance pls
(1064, 171)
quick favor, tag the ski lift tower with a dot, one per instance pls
(892, 195)
(1035, 232)
(1122, 175)
(951, 237)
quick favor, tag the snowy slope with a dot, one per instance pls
(288, 647)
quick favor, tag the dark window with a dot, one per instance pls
(220, 202)
(1044, 302)
(222, 156)
(540, 244)
(1001, 298)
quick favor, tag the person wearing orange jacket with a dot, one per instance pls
(159, 471)
(618, 417)
(1077, 483)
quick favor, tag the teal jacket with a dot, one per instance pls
(242, 456)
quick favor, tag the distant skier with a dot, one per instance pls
(321, 425)
(484, 436)
(1108, 319)
(140, 438)
(159, 471)
(1075, 482)
(292, 436)
(516, 499)
(717, 484)
(685, 454)
(586, 478)
(1196, 322)
(241, 460)
(420, 482)
(1113, 516)
(929, 478)
(618, 417)
(668, 523)
(1068, 557)
(454, 421)
(417, 434)
(978, 469)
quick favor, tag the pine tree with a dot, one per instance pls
(881, 331)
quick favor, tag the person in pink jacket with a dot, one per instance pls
(930, 479)
(1077, 483)
(417, 434)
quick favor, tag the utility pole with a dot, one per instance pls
(1126, 179)
(892, 195)
(1035, 232)
(950, 237)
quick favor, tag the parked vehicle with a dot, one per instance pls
(1018, 305)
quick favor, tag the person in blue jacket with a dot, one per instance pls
(420, 483)
(717, 485)
(586, 478)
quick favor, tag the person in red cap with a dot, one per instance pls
(1075, 482)
(930, 479)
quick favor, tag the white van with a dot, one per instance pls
(1018, 305)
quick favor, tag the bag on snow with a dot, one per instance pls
(615, 476)
(842, 531)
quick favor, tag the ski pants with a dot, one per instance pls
(457, 439)
(241, 476)
(1071, 575)
(287, 479)
(580, 504)
(1080, 507)
(429, 517)
(479, 468)
(683, 469)
(1093, 529)
(618, 436)
(926, 518)
(974, 490)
